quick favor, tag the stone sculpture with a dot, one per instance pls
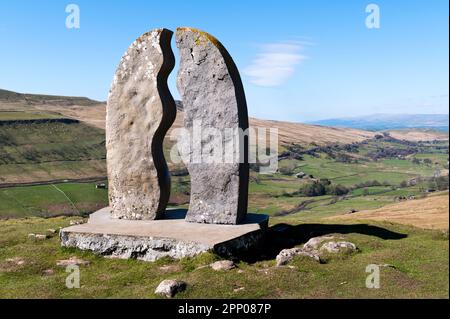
(140, 111)
(213, 97)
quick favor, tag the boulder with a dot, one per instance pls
(333, 247)
(314, 243)
(286, 255)
(170, 288)
(315, 248)
(223, 265)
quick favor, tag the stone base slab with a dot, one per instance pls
(169, 237)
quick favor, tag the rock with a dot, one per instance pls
(387, 266)
(314, 243)
(40, 237)
(300, 175)
(170, 288)
(31, 236)
(170, 268)
(238, 289)
(48, 272)
(72, 261)
(223, 265)
(214, 102)
(77, 222)
(338, 247)
(52, 231)
(16, 261)
(140, 110)
(286, 255)
(314, 249)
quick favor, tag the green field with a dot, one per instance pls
(48, 151)
(51, 200)
(274, 193)
(9, 116)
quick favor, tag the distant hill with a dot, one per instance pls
(382, 122)
(34, 99)
(93, 113)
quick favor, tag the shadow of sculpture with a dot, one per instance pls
(284, 236)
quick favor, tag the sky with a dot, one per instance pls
(299, 60)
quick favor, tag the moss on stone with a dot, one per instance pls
(203, 36)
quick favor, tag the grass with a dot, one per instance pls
(8, 116)
(47, 151)
(420, 260)
(51, 200)
(55, 151)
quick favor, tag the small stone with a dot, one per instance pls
(170, 268)
(238, 289)
(48, 272)
(31, 236)
(72, 261)
(387, 266)
(223, 265)
(76, 222)
(52, 231)
(170, 288)
(16, 260)
(300, 175)
(40, 237)
(338, 247)
(291, 267)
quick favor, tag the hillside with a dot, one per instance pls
(93, 113)
(35, 150)
(381, 122)
(39, 99)
(431, 212)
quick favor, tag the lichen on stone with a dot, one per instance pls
(204, 37)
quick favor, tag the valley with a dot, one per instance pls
(385, 191)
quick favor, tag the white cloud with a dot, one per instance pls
(275, 64)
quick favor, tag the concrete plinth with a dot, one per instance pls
(171, 237)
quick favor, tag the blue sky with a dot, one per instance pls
(299, 60)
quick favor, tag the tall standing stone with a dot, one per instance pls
(213, 97)
(140, 111)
